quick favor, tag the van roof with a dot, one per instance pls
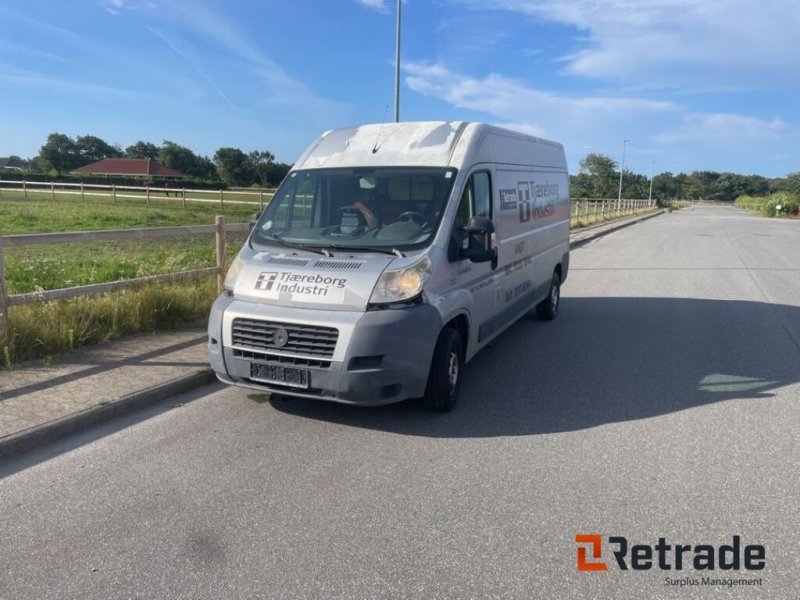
(428, 143)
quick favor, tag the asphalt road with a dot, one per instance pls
(663, 402)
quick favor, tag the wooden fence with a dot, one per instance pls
(145, 193)
(218, 230)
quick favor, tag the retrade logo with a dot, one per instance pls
(665, 556)
(595, 541)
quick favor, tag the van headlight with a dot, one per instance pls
(400, 285)
(233, 272)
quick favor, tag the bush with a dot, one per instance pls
(768, 205)
(789, 205)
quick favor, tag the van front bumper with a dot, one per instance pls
(380, 357)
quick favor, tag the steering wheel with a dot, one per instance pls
(414, 217)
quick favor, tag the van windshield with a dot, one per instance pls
(391, 208)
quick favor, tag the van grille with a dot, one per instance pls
(294, 361)
(305, 340)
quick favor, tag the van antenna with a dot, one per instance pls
(377, 146)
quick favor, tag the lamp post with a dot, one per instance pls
(650, 197)
(397, 70)
(621, 171)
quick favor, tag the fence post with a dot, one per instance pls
(25, 189)
(220, 200)
(114, 192)
(219, 235)
(82, 191)
(53, 189)
(183, 196)
(260, 199)
(5, 328)
(148, 195)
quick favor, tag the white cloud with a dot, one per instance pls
(279, 88)
(724, 127)
(507, 98)
(378, 5)
(702, 41)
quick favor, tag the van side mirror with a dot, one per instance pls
(254, 219)
(480, 245)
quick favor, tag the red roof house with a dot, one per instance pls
(131, 167)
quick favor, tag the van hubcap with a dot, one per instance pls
(554, 296)
(452, 370)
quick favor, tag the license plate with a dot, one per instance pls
(287, 376)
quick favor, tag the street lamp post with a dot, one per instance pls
(397, 70)
(621, 171)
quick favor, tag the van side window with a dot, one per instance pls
(476, 201)
(482, 195)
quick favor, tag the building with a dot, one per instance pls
(129, 167)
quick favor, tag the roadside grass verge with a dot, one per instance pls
(779, 204)
(46, 329)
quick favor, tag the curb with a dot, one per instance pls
(580, 242)
(38, 436)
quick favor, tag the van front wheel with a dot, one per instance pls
(547, 309)
(444, 378)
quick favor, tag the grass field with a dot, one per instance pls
(45, 329)
(70, 213)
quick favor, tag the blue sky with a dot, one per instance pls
(694, 85)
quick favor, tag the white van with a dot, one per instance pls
(388, 257)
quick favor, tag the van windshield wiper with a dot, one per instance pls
(295, 246)
(392, 252)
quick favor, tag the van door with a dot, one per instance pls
(480, 279)
(516, 243)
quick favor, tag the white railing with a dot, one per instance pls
(587, 211)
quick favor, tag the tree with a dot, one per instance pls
(59, 154)
(142, 149)
(182, 159)
(91, 148)
(665, 186)
(234, 166)
(261, 161)
(602, 175)
(277, 172)
(793, 183)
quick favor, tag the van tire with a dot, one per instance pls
(547, 309)
(444, 377)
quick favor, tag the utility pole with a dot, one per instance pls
(397, 69)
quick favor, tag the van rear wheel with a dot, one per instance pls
(444, 378)
(547, 309)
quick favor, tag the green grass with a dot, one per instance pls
(49, 328)
(46, 329)
(70, 213)
(768, 205)
(52, 266)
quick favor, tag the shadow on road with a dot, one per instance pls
(604, 360)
